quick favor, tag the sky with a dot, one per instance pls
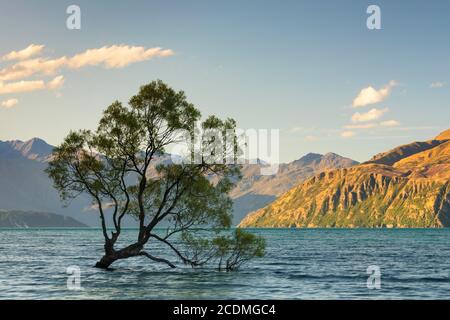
(311, 69)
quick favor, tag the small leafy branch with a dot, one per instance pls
(235, 251)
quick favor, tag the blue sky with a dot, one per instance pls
(293, 65)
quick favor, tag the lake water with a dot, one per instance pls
(300, 264)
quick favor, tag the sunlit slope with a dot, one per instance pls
(444, 135)
(413, 191)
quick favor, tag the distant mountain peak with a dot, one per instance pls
(309, 158)
(329, 159)
(338, 160)
(312, 155)
(33, 149)
(331, 154)
(37, 140)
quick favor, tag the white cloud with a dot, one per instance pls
(116, 56)
(9, 103)
(370, 95)
(56, 83)
(32, 85)
(30, 51)
(347, 134)
(21, 86)
(437, 84)
(390, 123)
(27, 68)
(373, 114)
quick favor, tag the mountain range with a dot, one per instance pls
(25, 186)
(31, 219)
(255, 191)
(408, 186)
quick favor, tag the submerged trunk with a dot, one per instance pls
(111, 255)
(105, 261)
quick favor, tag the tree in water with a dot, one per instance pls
(123, 167)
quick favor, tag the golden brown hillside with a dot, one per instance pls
(444, 135)
(392, 156)
(432, 164)
(255, 191)
(412, 192)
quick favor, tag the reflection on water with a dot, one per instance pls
(300, 264)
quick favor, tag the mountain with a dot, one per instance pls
(255, 191)
(22, 219)
(444, 135)
(394, 155)
(25, 185)
(408, 186)
(34, 149)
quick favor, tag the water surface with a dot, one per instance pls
(300, 264)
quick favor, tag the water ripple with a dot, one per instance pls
(300, 264)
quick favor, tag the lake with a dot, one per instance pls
(299, 264)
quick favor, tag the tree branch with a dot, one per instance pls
(178, 253)
(148, 255)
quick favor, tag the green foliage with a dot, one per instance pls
(241, 247)
(117, 166)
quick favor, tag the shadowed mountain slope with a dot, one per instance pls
(25, 186)
(31, 219)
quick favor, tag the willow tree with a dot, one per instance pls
(119, 166)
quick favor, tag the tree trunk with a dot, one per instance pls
(111, 255)
(106, 261)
